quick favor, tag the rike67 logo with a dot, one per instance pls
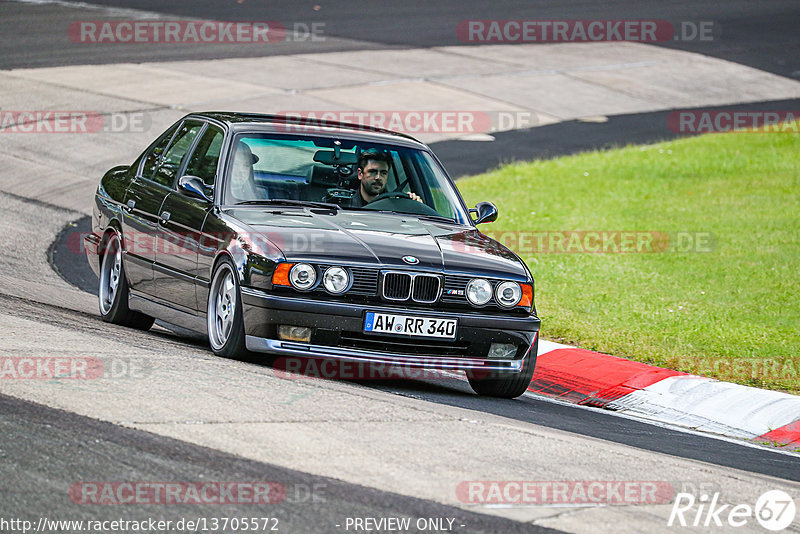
(775, 510)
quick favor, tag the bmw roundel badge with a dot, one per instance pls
(410, 260)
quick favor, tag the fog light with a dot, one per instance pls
(502, 350)
(294, 333)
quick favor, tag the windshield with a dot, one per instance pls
(270, 167)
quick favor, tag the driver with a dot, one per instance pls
(373, 171)
(243, 185)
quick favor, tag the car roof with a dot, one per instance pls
(308, 126)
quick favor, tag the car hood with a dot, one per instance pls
(380, 239)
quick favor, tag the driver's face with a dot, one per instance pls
(373, 177)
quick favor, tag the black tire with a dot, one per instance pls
(112, 293)
(225, 329)
(506, 385)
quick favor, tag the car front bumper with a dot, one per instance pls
(338, 334)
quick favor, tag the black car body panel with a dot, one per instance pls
(379, 238)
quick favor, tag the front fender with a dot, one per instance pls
(253, 255)
(253, 260)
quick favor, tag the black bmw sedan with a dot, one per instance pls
(313, 240)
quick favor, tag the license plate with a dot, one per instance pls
(389, 323)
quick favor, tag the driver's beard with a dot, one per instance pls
(374, 188)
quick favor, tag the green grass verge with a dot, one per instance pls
(728, 306)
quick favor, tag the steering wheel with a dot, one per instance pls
(414, 207)
(392, 194)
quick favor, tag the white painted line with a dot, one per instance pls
(546, 346)
(634, 416)
(711, 405)
(661, 424)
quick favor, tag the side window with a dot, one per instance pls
(171, 162)
(400, 172)
(154, 156)
(205, 158)
(443, 200)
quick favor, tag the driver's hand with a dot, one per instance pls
(414, 196)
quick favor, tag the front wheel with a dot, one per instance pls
(506, 385)
(113, 290)
(224, 313)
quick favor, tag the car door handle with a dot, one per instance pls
(130, 205)
(165, 216)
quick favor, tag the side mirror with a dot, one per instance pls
(485, 212)
(193, 186)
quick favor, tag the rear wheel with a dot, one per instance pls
(506, 385)
(224, 313)
(113, 290)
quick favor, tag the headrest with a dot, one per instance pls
(244, 147)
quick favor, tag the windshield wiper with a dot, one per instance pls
(418, 215)
(438, 218)
(289, 202)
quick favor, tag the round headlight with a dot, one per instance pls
(508, 294)
(302, 276)
(335, 279)
(479, 291)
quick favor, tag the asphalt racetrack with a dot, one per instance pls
(342, 450)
